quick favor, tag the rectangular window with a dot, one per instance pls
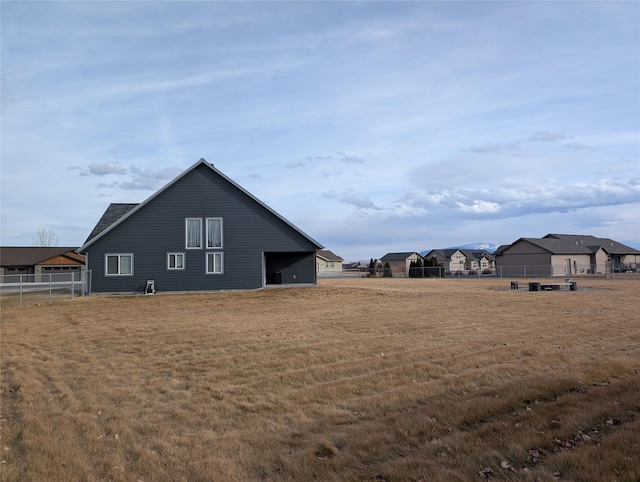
(118, 264)
(214, 263)
(193, 233)
(175, 260)
(214, 233)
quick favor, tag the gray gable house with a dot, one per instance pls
(202, 231)
(566, 254)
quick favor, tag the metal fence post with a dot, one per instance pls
(50, 301)
(73, 284)
(20, 302)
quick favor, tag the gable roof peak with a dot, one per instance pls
(111, 219)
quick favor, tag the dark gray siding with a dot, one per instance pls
(158, 227)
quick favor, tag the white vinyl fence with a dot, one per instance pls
(42, 288)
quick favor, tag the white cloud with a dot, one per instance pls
(352, 198)
(350, 159)
(106, 168)
(479, 207)
(428, 124)
(293, 165)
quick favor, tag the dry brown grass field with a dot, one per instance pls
(353, 380)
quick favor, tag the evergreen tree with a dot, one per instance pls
(372, 267)
(433, 262)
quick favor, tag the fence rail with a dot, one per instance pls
(43, 288)
(608, 270)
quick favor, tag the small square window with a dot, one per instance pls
(214, 263)
(175, 261)
(118, 264)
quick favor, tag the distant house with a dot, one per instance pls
(452, 259)
(355, 265)
(35, 263)
(202, 231)
(400, 262)
(328, 262)
(566, 254)
(457, 259)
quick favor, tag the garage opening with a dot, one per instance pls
(289, 268)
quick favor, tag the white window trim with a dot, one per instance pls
(184, 258)
(206, 228)
(106, 264)
(214, 253)
(186, 233)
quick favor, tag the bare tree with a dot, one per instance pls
(46, 237)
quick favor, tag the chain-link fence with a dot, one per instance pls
(607, 270)
(43, 288)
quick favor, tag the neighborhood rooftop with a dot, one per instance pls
(574, 244)
(328, 255)
(32, 255)
(397, 256)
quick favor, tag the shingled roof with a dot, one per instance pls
(21, 256)
(397, 256)
(329, 255)
(576, 244)
(475, 254)
(114, 212)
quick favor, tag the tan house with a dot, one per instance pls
(35, 263)
(328, 262)
(400, 262)
(458, 260)
(566, 254)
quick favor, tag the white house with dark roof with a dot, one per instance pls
(566, 254)
(457, 259)
(327, 262)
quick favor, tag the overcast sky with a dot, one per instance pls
(372, 126)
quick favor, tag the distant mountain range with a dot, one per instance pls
(489, 247)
